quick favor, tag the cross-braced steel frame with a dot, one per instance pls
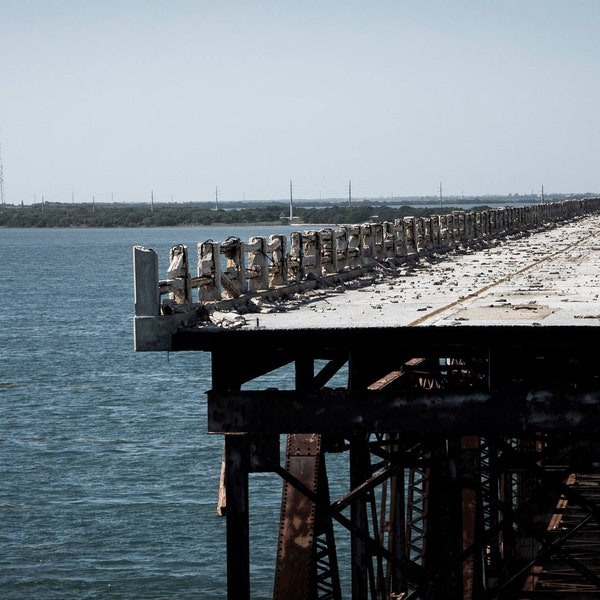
(461, 445)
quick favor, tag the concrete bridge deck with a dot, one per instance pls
(501, 267)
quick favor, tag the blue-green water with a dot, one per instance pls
(109, 480)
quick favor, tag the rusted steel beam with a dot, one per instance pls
(456, 414)
(536, 570)
(469, 476)
(329, 370)
(395, 526)
(253, 366)
(443, 526)
(386, 380)
(411, 571)
(295, 547)
(361, 565)
(512, 341)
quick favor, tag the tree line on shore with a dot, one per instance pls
(171, 215)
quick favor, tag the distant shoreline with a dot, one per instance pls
(96, 215)
(248, 224)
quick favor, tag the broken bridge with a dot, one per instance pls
(469, 410)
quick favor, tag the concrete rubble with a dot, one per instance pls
(549, 277)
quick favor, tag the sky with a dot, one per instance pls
(116, 100)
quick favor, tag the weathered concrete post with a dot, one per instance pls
(443, 231)
(257, 271)
(341, 247)
(296, 258)
(485, 223)
(449, 235)
(209, 271)
(329, 258)
(367, 244)
(410, 227)
(477, 226)
(502, 222)
(233, 279)
(178, 274)
(469, 226)
(435, 232)
(149, 325)
(278, 272)
(312, 253)
(354, 246)
(377, 232)
(427, 240)
(400, 238)
(145, 275)
(389, 240)
(419, 235)
(462, 226)
(510, 217)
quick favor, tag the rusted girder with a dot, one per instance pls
(295, 547)
(510, 412)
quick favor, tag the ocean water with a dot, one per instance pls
(109, 480)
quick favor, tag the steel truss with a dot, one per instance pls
(462, 509)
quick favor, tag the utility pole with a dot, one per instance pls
(2, 198)
(93, 203)
(216, 198)
(152, 201)
(542, 194)
(291, 200)
(440, 195)
(349, 192)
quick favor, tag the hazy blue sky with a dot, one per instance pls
(123, 97)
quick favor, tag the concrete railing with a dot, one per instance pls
(234, 268)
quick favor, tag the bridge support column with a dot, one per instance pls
(238, 538)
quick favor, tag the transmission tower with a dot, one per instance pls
(2, 198)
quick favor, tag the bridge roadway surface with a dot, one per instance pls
(550, 277)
